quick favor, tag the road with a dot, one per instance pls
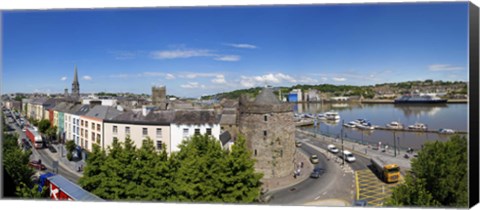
(47, 158)
(360, 162)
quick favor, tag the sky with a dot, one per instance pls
(202, 51)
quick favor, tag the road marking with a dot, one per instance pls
(358, 188)
(318, 197)
(324, 193)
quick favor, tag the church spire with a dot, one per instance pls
(75, 85)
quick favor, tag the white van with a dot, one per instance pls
(348, 156)
(332, 148)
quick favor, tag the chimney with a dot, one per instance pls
(65, 94)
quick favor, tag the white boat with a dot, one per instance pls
(350, 124)
(418, 126)
(446, 131)
(321, 117)
(366, 126)
(394, 125)
(308, 115)
(332, 115)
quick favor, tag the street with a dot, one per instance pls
(47, 157)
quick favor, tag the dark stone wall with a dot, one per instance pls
(274, 151)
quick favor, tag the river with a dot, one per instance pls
(435, 116)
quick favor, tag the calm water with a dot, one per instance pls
(453, 116)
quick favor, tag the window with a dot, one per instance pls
(144, 131)
(185, 132)
(86, 124)
(93, 137)
(81, 123)
(265, 118)
(159, 133)
(115, 129)
(86, 134)
(81, 132)
(127, 130)
(281, 153)
(98, 127)
(255, 152)
(98, 138)
(264, 133)
(86, 144)
(197, 131)
(93, 126)
(209, 131)
(159, 145)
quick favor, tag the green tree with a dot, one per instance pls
(25, 191)
(43, 125)
(198, 168)
(241, 182)
(438, 177)
(51, 132)
(94, 173)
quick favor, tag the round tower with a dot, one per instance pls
(269, 129)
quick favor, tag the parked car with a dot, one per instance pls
(317, 172)
(314, 159)
(332, 148)
(37, 165)
(360, 203)
(298, 144)
(348, 156)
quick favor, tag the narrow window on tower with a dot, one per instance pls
(265, 118)
(264, 133)
(255, 152)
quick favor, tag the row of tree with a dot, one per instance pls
(17, 174)
(438, 177)
(200, 172)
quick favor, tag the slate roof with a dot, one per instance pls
(225, 137)
(153, 118)
(266, 97)
(84, 109)
(72, 190)
(228, 119)
(72, 109)
(195, 117)
(103, 112)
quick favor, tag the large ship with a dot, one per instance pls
(419, 99)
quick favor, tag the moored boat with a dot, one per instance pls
(331, 115)
(350, 124)
(394, 125)
(417, 126)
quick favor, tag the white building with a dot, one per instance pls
(191, 122)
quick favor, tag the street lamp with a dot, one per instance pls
(398, 143)
(341, 136)
(394, 144)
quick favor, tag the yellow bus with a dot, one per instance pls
(388, 172)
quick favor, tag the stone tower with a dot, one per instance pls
(159, 97)
(269, 130)
(75, 85)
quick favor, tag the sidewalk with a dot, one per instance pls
(329, 203)
(280, 183)
(71, 166)
(367, 151)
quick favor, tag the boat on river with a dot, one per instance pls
(331, 115)
(394, 125)
(418, 126)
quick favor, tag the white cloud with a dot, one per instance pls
(339, 79)
(230, 58)
(173, 54)
(63, 78)
(192, 85)
(245, 46)
(195, 75)
(86, 77)
(444, 67)
(123, 55)
(170, 76)
(266, 79)
(219, 79)
(324, 78)
(153, 74)
(307, 80)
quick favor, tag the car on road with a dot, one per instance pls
(37, 165)
(332, 148)
(360, 203)
(317, 172)
(314, 159)
(348, 156)
(298, 143)
(52, 149)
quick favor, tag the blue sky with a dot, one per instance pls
(197, 51)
